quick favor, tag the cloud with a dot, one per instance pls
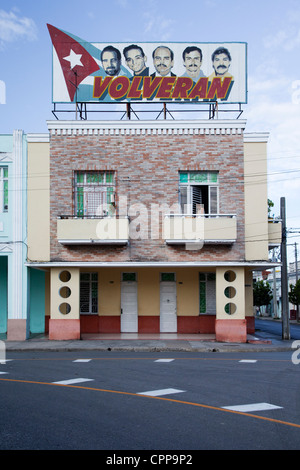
(14, 27)
(156, 24)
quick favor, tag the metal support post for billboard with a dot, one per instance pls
(128, 111)
(284, 275)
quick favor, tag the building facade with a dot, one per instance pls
(13, 236)
(147, 226)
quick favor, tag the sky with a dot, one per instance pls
(271, 28)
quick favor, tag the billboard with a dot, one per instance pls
(147, 72)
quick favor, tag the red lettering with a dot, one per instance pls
(182, 87)
(150, 85)
(219, 88)
(134, 91)
(119, 87)
(100, 87)
(199, 90)
(165, 89)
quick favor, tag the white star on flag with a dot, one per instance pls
(74, 59)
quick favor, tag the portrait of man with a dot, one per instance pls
(221, 61)
(192, 61)
(111, 60)
(163, 61)
(136, 60)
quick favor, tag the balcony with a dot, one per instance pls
(97, 231)
(208, 229)
(274, 232)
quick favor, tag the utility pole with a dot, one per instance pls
(274, 294)
(296, 270)
(284, 276)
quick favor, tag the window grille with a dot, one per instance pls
(88, 293)
(94, 194)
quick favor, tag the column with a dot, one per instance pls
(64, 323)
(231, 325)
(17, 328)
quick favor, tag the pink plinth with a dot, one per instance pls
(16, 330)
(231, 331)
(64, 329)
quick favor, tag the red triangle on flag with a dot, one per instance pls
(75, 60)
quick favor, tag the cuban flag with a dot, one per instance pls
(73, 60)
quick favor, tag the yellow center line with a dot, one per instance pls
(182, 402)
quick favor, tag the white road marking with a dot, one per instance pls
(82, 360)
(163, 391)
(164, 360)
(248, 360)
(252, 407)
(73, 381)
(3, 372)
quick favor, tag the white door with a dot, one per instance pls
(168, 315)
(129, 310)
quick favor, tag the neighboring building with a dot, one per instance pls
(13, 246)
(149, 226)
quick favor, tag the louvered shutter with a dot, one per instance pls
(213, 199)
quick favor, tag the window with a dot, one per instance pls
(128, 277)
(167, 277)
(4, 189)
(94, 193)
(207, 293)
(198, 189)
(89, 293)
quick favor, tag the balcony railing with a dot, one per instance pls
(206, 228)
(85, 230)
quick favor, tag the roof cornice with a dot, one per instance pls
(213, 127)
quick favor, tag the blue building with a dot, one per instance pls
(13, 236)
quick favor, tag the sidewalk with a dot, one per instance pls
(153, 343)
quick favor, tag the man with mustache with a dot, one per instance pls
(221, 60)
(163, 60)
(192, 60)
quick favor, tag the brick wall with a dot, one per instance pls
(147, 169)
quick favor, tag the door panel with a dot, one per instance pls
(168, 314)
(129, 310)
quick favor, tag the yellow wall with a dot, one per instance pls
(256, 201)
(187, 282)
(38, 201)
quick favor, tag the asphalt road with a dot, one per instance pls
(156, 402)
(274, 327)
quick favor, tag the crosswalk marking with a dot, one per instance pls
(252, 407)
(73, 381)
(248, 360)
(82, 360)
(163, 391)
(164, 360)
